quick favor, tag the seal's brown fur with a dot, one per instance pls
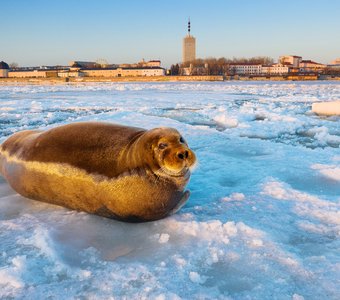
(111, 170)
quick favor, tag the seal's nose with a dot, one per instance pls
(184, 154)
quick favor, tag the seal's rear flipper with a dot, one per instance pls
(181, 203)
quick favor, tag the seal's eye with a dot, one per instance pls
(182, 140)
(162, 145)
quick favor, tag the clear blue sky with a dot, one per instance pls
(38, 32)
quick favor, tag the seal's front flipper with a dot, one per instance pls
(181, 203)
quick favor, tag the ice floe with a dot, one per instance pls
(262, 222)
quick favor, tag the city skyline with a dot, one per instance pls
(53, 33)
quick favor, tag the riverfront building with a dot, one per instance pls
(287, 64)
(336, 61)
(311, 66)
(249, 69)
(86, 69)
(292, 60)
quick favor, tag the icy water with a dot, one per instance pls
(262, 222)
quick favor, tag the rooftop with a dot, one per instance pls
(3, 65)
(310, 62)
(245, 64)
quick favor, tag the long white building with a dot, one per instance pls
(258, 69)
(249, 69)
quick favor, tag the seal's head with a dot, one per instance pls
(171, 153)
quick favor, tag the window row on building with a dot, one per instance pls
(245, 69)
(77, 72)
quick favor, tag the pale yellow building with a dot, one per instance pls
(336, 61)
(32, 73)
(124, 72)
(152, 68)
(83, 64)
(189, 47)
(142, 64)
(152, 63)
(293, 60)
(309, 65)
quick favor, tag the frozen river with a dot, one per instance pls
(262, 222)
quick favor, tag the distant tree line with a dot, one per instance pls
(217, 66)
(14, 65)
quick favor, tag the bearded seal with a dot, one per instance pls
(121, 172)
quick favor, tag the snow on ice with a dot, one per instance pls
(262, 222)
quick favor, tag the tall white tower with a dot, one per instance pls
(189, 47)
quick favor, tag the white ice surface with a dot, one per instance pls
(262, 222)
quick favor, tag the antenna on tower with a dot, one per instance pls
(189, 26)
